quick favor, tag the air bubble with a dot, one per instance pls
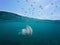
(34, 2)
(41, 7)
(56, 6)
(31, 5)
(26, 0)
(52, 13)
(33, 9)
(52, 3)
(25, 11)
(18, 1)
(39, 11)
(22, 8)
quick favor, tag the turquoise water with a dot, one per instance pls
(45, 32)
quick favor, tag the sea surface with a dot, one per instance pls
(45, 32)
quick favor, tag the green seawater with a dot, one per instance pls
(45, 32)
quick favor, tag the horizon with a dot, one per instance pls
(26, 16)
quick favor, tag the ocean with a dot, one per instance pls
(45, 32)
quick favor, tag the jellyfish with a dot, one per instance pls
(26, 31)
(29, 30)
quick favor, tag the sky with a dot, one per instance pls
(40, 9)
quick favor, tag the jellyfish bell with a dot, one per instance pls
(23, 31)
(29, 30)
(26, 31)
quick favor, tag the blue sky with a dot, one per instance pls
(41, 9)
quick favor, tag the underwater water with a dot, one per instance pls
(45, 32)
